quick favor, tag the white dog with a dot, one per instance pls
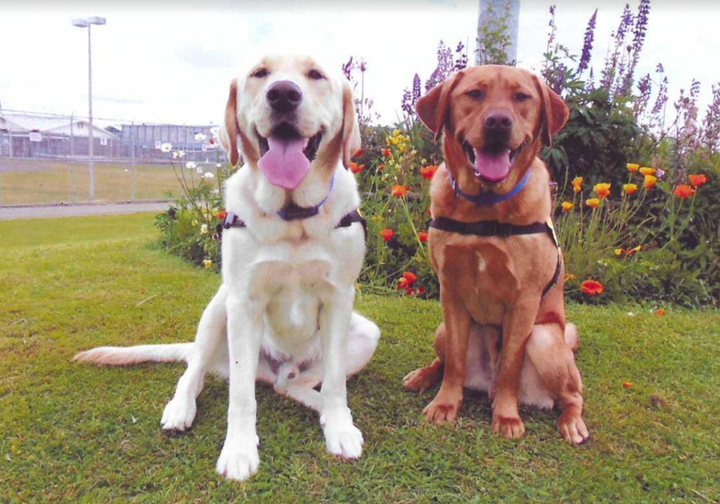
(292, 249)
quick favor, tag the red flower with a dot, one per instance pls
(627, 384)
(386, 152)
(358, 153)
(355, 168)
(387, 234)
(398, 191)
(698, 180)
(422, 236)
(683, 191)
(428, 171)
(409, 277)
(212, 141)
(592, 287)
(221, 214)
(381, 167)
(660, 312)
(421, 290)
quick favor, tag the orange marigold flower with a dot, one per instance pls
(221, 214)
(632, 167)
(602, 190)
(577, 184)
(647, 171)
(592, 287)
(398, 191)
(428, 171)
(355, 168)
(630, 188)
(386, 152)
(698, 180)
(422, 236)
(627, 384)
(592, 202)
(409, 277)
(387, 234)
(683, 191)
(567, 206)
(660, 312)
(649, 181)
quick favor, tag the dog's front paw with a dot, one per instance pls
(239, 458)
(573, 428)
(178, 415)
(444, 408)
(341, 436)
(508, 426)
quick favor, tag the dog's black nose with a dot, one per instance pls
(498, 122)
(284, 96)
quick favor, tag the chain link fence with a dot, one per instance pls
(44, 157)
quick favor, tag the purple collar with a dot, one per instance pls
(491, 198)
(291, 211)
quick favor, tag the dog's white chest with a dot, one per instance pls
(293, 281)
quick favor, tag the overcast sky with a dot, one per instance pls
(172, 62)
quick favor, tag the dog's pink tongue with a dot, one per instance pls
(493, 166)
(285, 164)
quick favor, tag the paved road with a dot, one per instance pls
(42, 211)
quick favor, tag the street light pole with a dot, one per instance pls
(87, 23)
(91, 145)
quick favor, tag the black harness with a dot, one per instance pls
(233, 221)
(503, 230)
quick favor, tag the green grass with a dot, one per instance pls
(78, 433)
(53, 181)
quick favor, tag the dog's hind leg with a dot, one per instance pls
(554, 360)
(180, 412)
(300, 385)
(426, 377)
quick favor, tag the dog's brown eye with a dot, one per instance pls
(315, 75)
(521, 97)
(260, 73)
(476, 94)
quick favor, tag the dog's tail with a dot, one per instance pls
(126, 356)
(571, 337)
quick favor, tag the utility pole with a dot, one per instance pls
(494, 10)
(87, 23)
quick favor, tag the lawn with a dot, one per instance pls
(30, 181)
(78, 433)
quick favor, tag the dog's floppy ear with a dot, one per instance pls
(554, 112)
(433, 108)
(230, 129)
(350, 128)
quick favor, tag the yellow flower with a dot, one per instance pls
(649, 181)
(396, 133)
(592, 202)
(577, 184)
(602, 190)
(647, 171)
(619, 252)
(207, 263)
(632, 167)
(567, 206)
(630, 188)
